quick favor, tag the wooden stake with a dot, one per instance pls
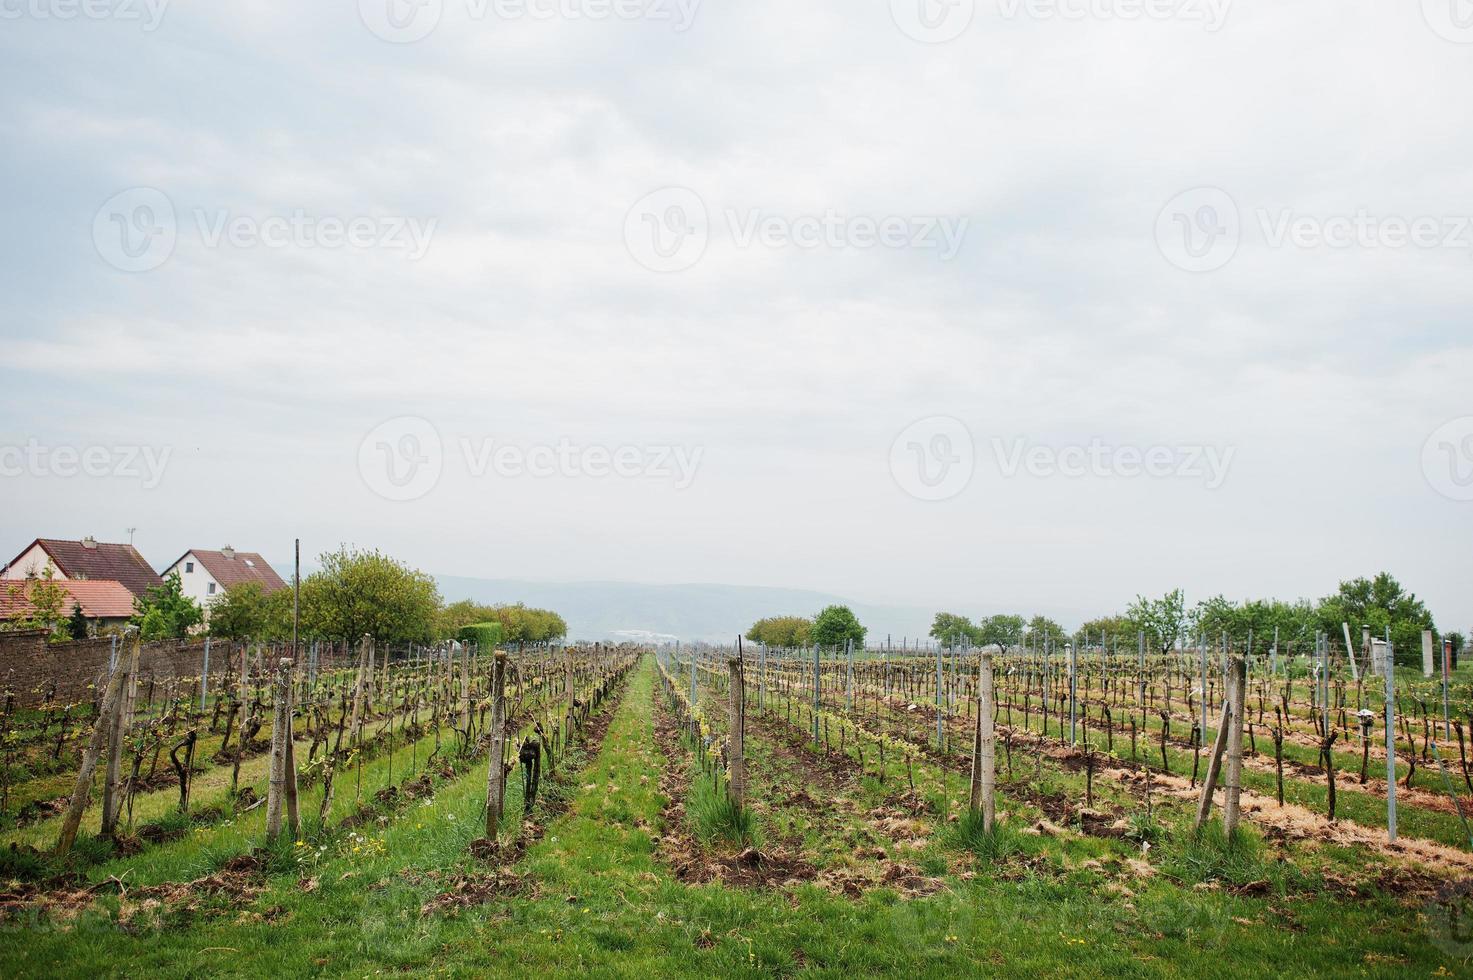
(736, 735)
(364, 648)
(465, 691)
(1214, 766)
(289, 780)
(1233, 788)
(280, 739)
(83, 787)
(120, 722)
(984, 746)
(495, 771)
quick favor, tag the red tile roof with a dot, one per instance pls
(245, 566)
(103, 561)
(99, 598)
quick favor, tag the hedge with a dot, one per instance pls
(486, 636)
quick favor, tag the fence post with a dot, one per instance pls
(465, 687)
(849, 674)
(120, 722)
(815, 694)
(1073, 700)
(984, 748)
(281, 724)
(83, 786)
(363, 653)
(1140, 639)
(1447, 666)
(1390, 673)
(1202, 656)
(940, 731)
(762, 680)
(1238, 670)
(204, 677)
(736, 735)
(1214, 765)
(495, 785)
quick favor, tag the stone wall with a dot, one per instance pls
(33, 670)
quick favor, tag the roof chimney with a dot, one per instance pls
(89, 542)
(228, 552)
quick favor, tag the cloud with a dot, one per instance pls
(528, 318)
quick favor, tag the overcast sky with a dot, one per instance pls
(1008, 305)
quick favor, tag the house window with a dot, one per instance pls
(189, 566)
(212, 588)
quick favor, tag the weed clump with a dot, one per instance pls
(995, 846)
(716, 816)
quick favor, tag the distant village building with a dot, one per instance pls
(104, 603)
(84, 560)
(205, 574)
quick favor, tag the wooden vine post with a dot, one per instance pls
(465, 690)
(1214, 762)
(364, 646)
(83, 786)
(984, 746)
(118, 724)
(736, 737)
(568, 683)
(281, 792)
(495, 772)
(1233, 790)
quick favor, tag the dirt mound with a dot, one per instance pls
(467, 890)
(747, 869)
(38, 810)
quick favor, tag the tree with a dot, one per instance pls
(457, 615)
(1162, 619)
(246, 612)
(836, 625)
(164, 612)
(951, 630)
(77, 624)
(785, 632)
(521, 624)
(1382, 604)
(1003, 631)
(1111, 630)
(366, 592)
(1042, 630)
(1214, 617)
(1211, 619)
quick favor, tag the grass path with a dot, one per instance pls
(591, 897)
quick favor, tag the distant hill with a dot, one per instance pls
(713, 613)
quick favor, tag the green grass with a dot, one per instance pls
(717, 817)
(594, 898)
(991, 846)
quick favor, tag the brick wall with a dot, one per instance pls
(32, 669)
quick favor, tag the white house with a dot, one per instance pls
(205, 574)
